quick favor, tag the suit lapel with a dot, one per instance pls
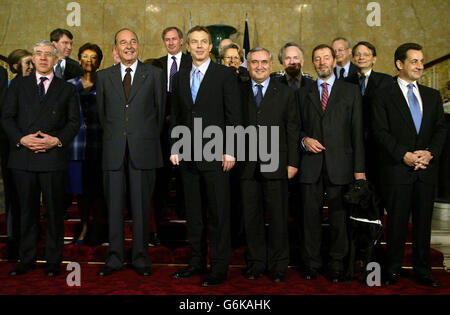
(139, 77)
(271, 92)
(49, 98)
(116, 79)
(209, 74)
(314, 97)
(184, 80)
(402, 105)
(333, 96)
(251, 103)
(425, 113)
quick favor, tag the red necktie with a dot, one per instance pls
(324, 96)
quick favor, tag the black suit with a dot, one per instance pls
(217, 104)
(72, 69)
(406, 190)
(305, 81)
(376, 81)
(278, 109)
(131, 153)
(57, 115)
(351, 71)
(340, 130)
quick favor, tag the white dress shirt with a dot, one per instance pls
(123, 69)
(203, 67)
(404, 87)
(169, 65)
(346, 67)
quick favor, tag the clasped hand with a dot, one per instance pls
(39, 142)
(418, 159)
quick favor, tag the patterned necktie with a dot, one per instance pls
(259, 95)
(42, 89)
(362, 83)
(414, 107)
(173, 70)
(127, 82)
(341, 74)
(324, 96)
(195, 84)
(58, 70)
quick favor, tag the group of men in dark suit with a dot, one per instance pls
(321, 130)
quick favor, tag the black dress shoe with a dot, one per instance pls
(278, 277)
(213, 280)
(427, 281)
(336, 276)
(21, 269)
(252, 274)
(144, 272)
(154, 239)
(310, 274)
(106, 271)
(189, 272)
(52, 270)
(391, 278)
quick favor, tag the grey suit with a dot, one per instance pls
(131, 153)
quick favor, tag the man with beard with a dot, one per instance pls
(331, 135)
(291, 57)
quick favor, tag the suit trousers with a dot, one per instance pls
(217, 189)
(401, 201)
(313, 200)
(140, 187)
(271, 252)
(29, 186)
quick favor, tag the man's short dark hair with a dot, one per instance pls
(402, 50)
(322, 46)
(56, 35)
(198, 28)
(180, 33)
(93, 47)
(368, 45)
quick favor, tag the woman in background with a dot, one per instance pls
(85, 172)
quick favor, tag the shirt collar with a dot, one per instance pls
(133, 67)
(405, 84)
(329, 82)
(264, 84)
(177, 56)
(203, 67)
(367, 74)
(48, 76)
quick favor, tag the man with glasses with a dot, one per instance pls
(344, 67)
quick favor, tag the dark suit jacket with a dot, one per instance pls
(72, 70)
(137, 121)
(217, 104)
(395, 134)
(278, 108)
(186, 61)
(351, 72)
(339, 129)
(3, 89)
(377, 81)
(58, 115)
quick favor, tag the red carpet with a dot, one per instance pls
(127, 282)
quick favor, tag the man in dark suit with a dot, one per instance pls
(331, 133)
(41, 117)
(268, 104)
(66, 68)
(370, 82)
(344, 67)
(409, 129)
(291, 57)
(209, 93)
(175, 59)
(131, 100)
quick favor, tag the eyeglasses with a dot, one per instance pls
(232, 57)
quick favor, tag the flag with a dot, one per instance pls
(246, 45)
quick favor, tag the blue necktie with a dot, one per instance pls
(195, 84)
(58, 70)
(414, 107)
(259, 95)
(173, 70)
(362, 82)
